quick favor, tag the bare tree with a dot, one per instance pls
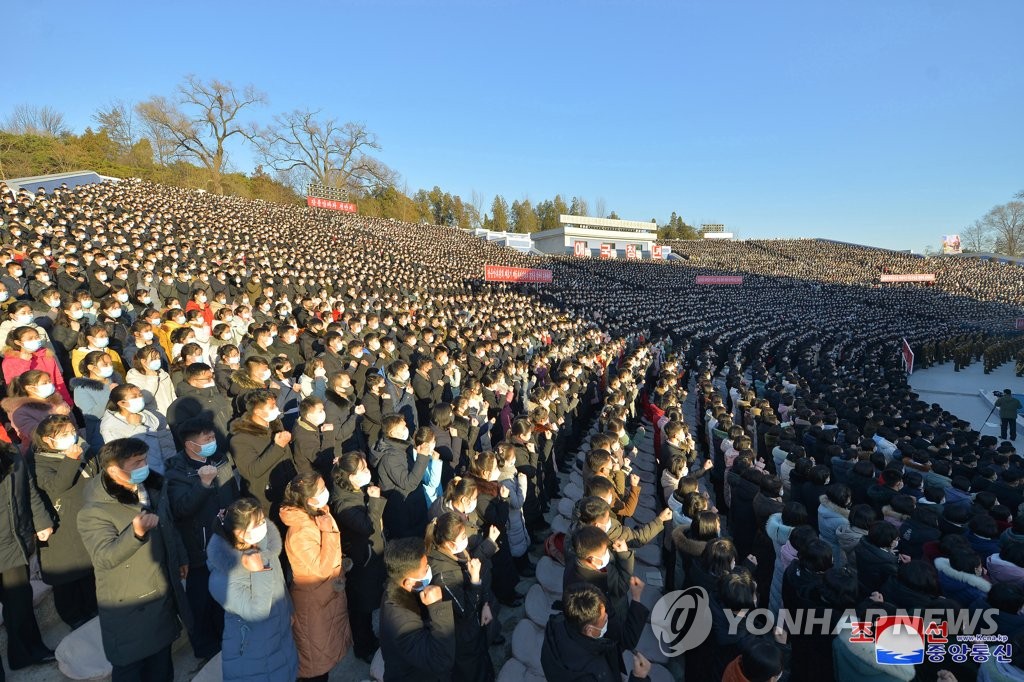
(28, 119)
(976, 238)
(1005, 223)
(117, 120)
(200, 120)
(600, 207)
(311, 148)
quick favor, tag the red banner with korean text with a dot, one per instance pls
(719, 279)
(631, 252)
(656, 251)
(331, 205)
(580, 250)
(502, 273)
(606, 251)
(921, 277)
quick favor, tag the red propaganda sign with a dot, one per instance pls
(656, 251)
(908, 356)
(580, 250)
(331, 205)
(1020, 323)
(908, 278)
(631, 252)
(502, 273)
(606, 251)
(719, 279)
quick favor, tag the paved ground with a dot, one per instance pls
(958, 392)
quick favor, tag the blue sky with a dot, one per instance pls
(889, 123)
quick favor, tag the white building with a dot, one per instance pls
(594, 232)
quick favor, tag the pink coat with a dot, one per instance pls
(43, 360)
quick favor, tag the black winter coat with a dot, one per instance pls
(207, 404)
(875, 566)
(570, 656)
(194, 506)
(472, 663)
(62, 482)
(400, 476)
(417, 641)
(22, 511)
(359, 518)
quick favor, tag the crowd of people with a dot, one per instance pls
(259, 425)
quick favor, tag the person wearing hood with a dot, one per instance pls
(320, 623)
(833, 516)
(358, 509)
(200, 399)
(31, 398)
(417, 626)
(400, 475)
(259, 447)
(962, 577)
(24, 351)
(127, 417)
(780, 529)
(139, 560)
(247, 581)
(200, 482)
(1007, 566)
(861, 518)
(254, 375)
(584, 641)
(63, 469)
(402, 395)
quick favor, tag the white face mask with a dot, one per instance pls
(106, 372)
(317, 418)
(22, 320)
(64, 442)
(256, 535)
(44, 390)
(154, 365)
(101, 342)
(471, 507)
(265, 376)
(147, 336)
(136, 405)
(605, 560)
(319, 372)
(321, 499)
(361, 479)
(460, 546)
(273, 415)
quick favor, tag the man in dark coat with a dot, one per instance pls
(417, 627)
(200, 482)
(199, 398)
(584, 642)
(405, 514)
(259, 448)
(139, 559)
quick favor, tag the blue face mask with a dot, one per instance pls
(139, 475)
(422, 584)
(207, 449)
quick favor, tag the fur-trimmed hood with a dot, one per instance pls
(245, 424)
(13, 403)
(831, 506)
(242, 379)
(944, 568)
